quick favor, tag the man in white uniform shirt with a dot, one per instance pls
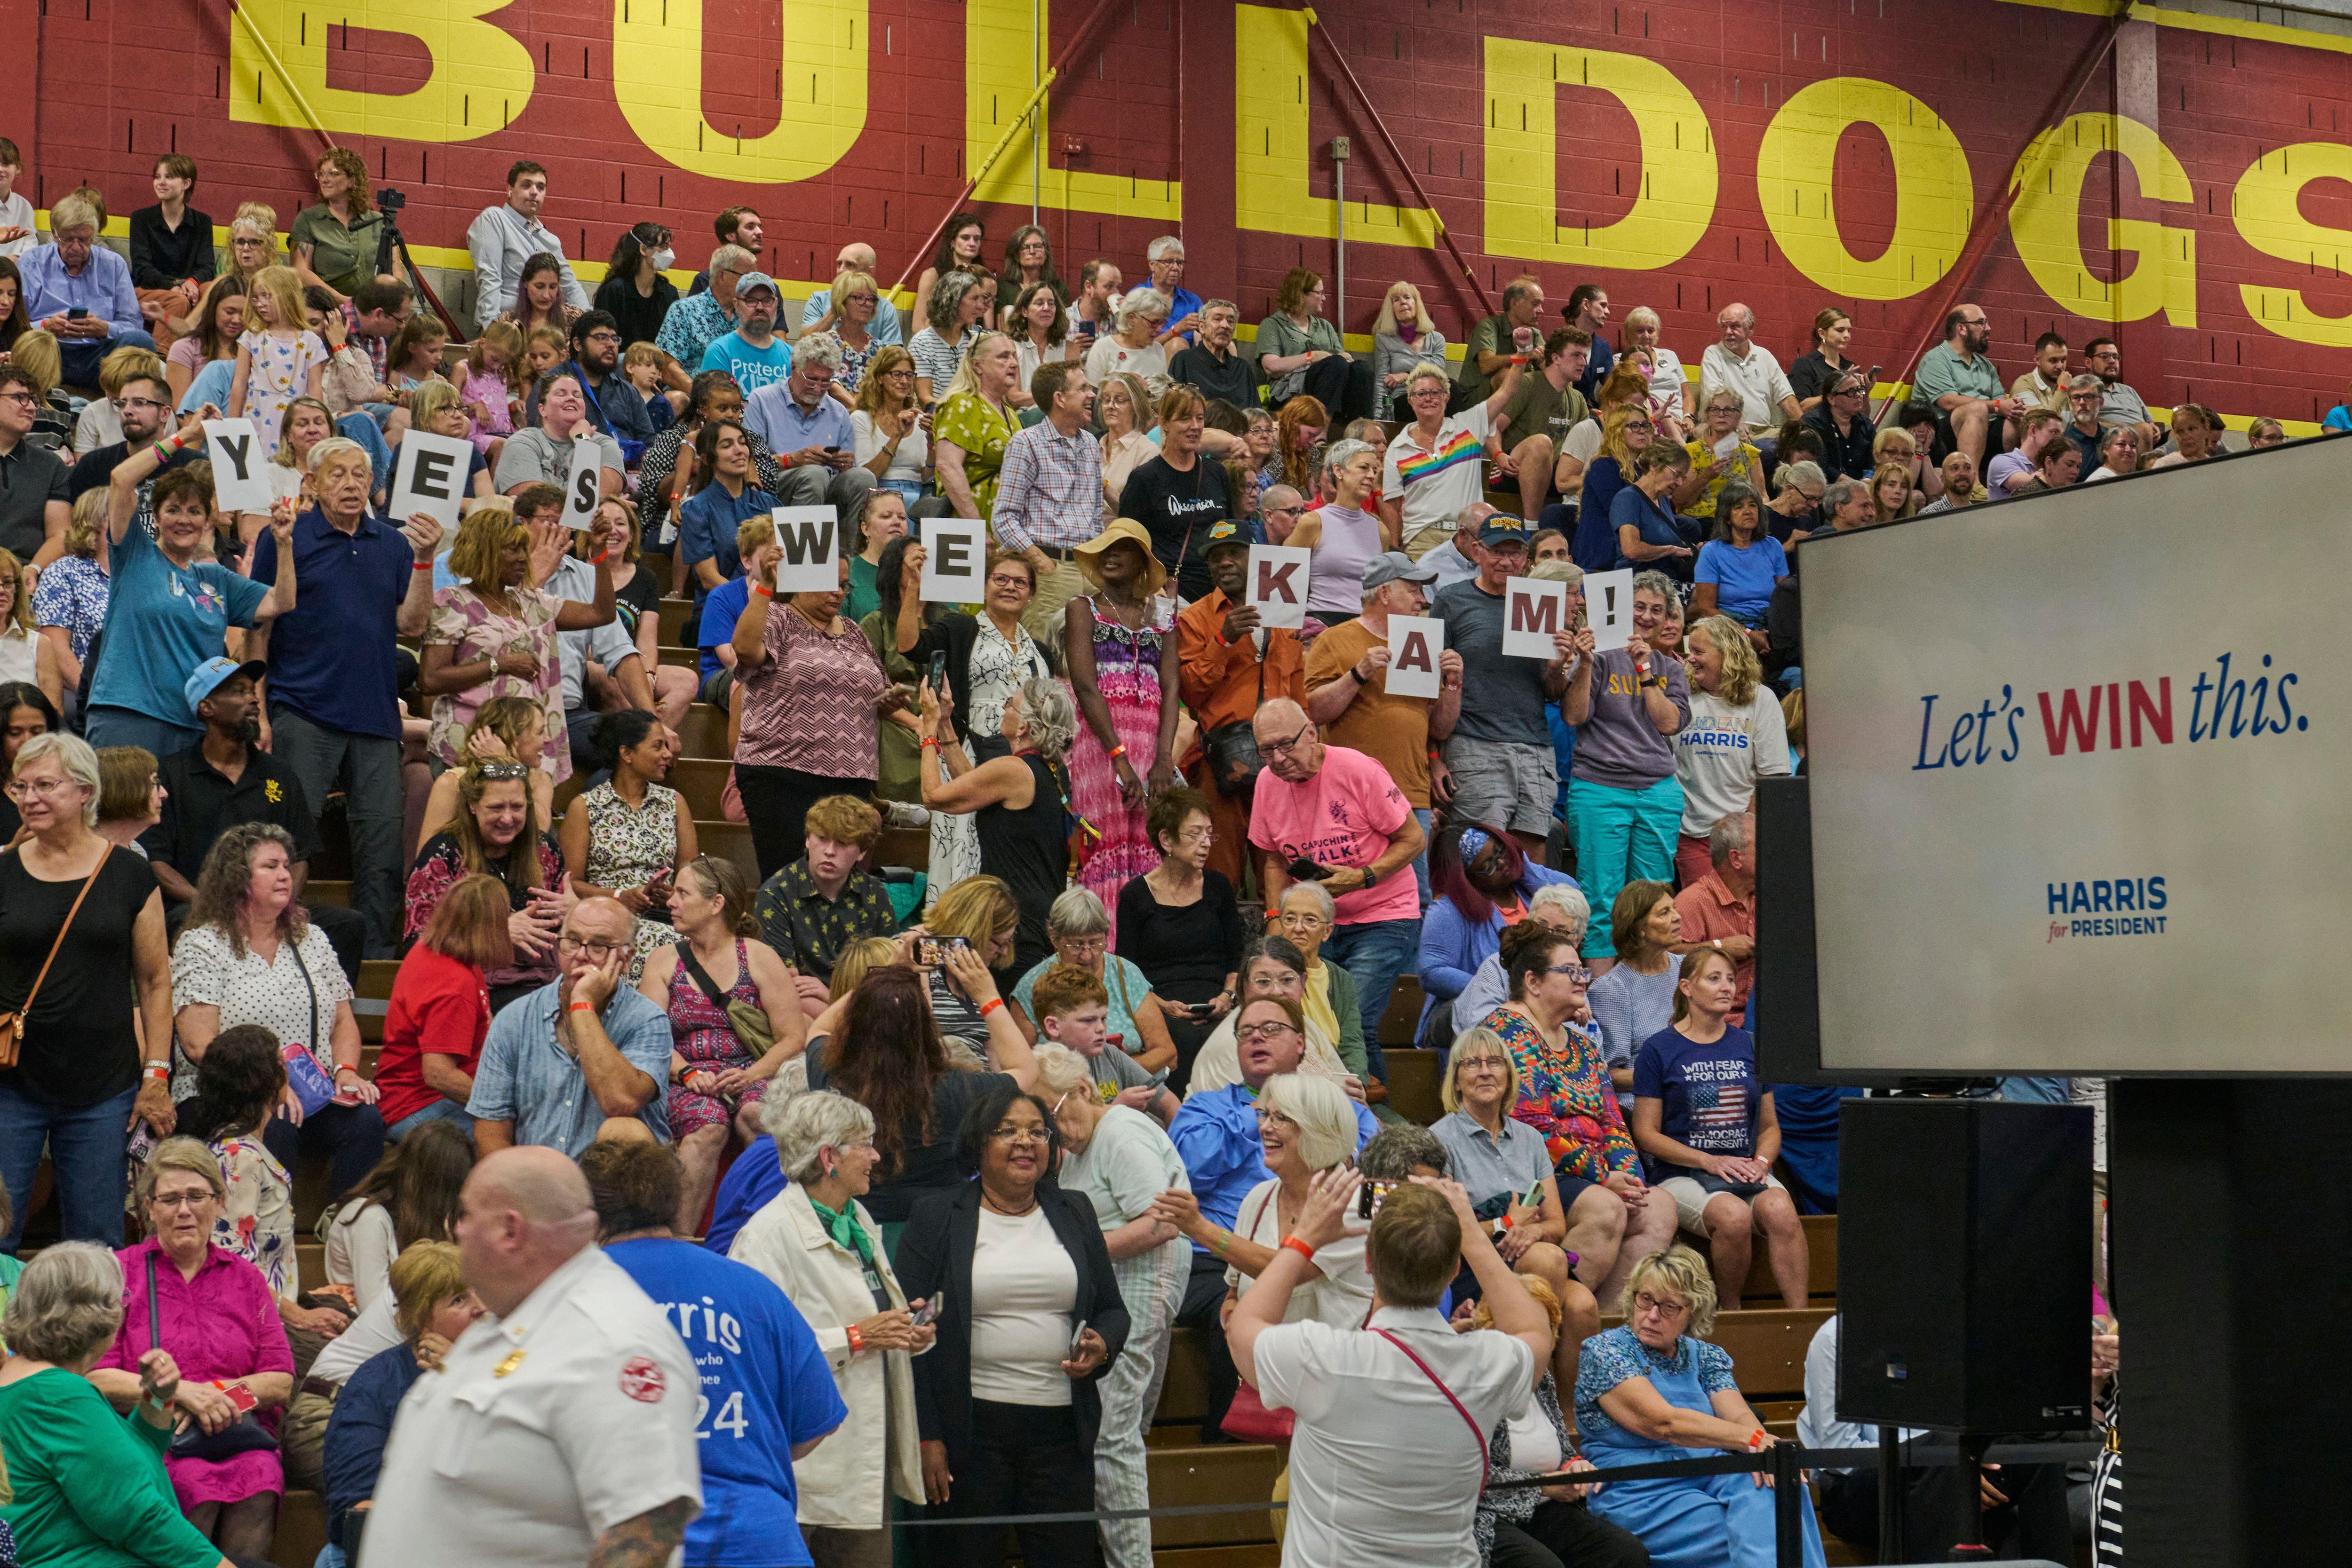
(559, 1429)
(1392, 1419)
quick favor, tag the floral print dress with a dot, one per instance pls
(463, 620)
(1127, 671)
(1566, 1095)
(256, 1218)
(280, 373)
(625, 848)
(700, 1032)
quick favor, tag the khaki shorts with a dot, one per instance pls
(1691, 1195)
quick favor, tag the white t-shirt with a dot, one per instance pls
(1535, 1441)
(1340, 1298)
(20, 654)
(592, 1424)
(17, 213)
(1109, 357)
(1582, 442)
(374, 1331)
(1722, 751)
(1667, 377)
(360, 1249)
(1024, 1286)
(907, 463)
(1758, 378)
(1432, 486)
(1127, 1163)
(1384, 1471)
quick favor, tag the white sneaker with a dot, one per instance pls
(905, 814)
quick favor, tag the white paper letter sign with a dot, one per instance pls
(579, 496)
(954, 551)
(1414, 642)
(1532, 612)
(1277, 584)
(430, 476)
(239, 483)
(810, 538)
(1609, 607)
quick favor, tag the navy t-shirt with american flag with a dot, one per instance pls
(1708, 1093)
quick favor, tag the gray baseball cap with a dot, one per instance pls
(1395, 566)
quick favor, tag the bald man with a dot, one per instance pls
(855, 256)
(582, 1059)
(561, 1430)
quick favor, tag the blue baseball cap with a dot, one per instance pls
(1503, 525)
(209, 676)
(1230, 532)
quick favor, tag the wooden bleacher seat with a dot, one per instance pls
(681, 657)
(676, 620)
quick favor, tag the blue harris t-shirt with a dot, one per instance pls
(765, 1388)
(1709, 1092)
(161, 622)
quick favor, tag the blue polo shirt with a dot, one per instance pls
(719, 613)
(334, 662)
(770, 414)
(1216, 1136)
(707, 525)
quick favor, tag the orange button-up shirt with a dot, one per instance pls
(1219, 680)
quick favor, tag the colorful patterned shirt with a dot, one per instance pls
(1432, 484)
(809, 929)
(1566, 1095)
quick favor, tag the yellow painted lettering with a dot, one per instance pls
(821, 104)
(1674, 200)
(481, 77)
(1001, 71)
(1271, 153)
(1796, 181)
(2266, 208)
(2045, 221)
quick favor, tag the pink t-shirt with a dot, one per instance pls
(1341, 817)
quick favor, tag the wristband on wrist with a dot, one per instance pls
(155, 1069)
(580, 1008)
(930, 740)
(991, 1005)
(1756, 1440)
(422, 566)
(163, 455)
(763, 591)
(856, 1339)
(1299, 1247)
(1118, 751)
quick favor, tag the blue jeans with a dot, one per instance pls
(1375, 952)
(1622, 836)
(1420, 861)
(439, 1111)
(109, 726)
(81, 356)
(87, 1161)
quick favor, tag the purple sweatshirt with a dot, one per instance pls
(1619, 745)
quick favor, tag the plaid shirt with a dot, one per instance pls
(1050, 490)
(378, 350)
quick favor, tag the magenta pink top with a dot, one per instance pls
(221, 1324)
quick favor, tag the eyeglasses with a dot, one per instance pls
(601, 336)
(1472, 1063)
(1303, 920)
(195, 1198)
(1283, 747)
(139, 403)
(1014, 1133)
(1081, 944)
(1009, 579)
(595, 947)
(906, 371)
(1645, 1303)
(1203, 835)
(1264, 1031)
(39, 788)
(1577, 972)
(27, 399)
(1426, 391)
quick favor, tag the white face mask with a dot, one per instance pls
(662, 259)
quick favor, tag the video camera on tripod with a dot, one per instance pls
(390, 241)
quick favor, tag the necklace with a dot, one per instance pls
(988, 1199)
(824, 626)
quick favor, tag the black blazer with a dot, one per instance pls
(936, 1251)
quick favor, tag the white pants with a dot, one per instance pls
(1153, 1285)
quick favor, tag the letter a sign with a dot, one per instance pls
(1414, 642)
(1277, 585)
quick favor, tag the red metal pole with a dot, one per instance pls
(1485, 306)
(1988, 221)
(1061, 61)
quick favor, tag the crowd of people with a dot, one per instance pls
(964, 1149)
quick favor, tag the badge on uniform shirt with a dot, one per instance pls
(642, 1380)
(513, 1359)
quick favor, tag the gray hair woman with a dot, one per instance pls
(817, 1242)
(81, 1060)
(1080, 928)
(1134, 346)
(1343, 533)
(65, 1444)
(1019, 803)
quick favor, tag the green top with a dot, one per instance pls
(1282, 338)
(864, 598)
(1486, 337)
(90, 1488)
(343, 258)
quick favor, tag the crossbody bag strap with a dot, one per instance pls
(1486, 1468)
(154, 1312)
(26, 1010)
(313, 991)
(702, 976)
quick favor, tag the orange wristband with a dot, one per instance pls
(763, 591)
(1118, 751)
(856, 1339)
(991, 1005)
(1296, 1245)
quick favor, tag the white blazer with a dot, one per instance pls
(841, 1482)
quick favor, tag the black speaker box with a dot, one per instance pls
(1964, 1265)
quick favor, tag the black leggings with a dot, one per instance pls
(350, 1136)
(777, 801)
(1567, 1535)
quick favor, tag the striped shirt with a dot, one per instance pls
(1049, 492)
(811, 702)
(1432, 486)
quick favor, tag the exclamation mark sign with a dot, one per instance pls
(1608, 593)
